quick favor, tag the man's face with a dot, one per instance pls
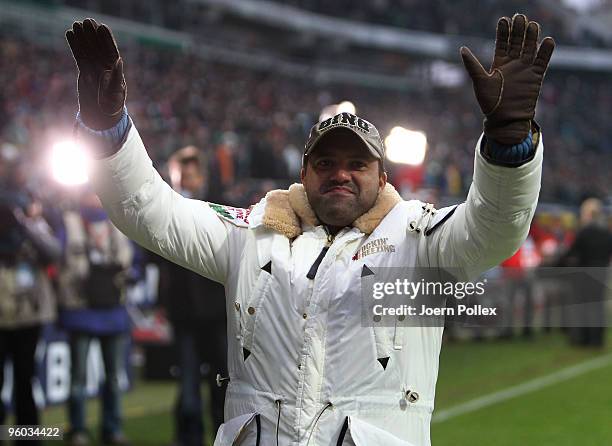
(192, 179)
(342, 179)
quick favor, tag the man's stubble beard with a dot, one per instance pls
(341, 211)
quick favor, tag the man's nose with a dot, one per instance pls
(341, 175)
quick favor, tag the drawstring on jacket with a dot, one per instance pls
(314, 426)
(278, 403)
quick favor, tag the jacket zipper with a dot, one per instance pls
(315, 266)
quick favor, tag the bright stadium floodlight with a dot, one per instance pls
(327, 112)
(346, 107)
(333, 109)
(405, 146)
(69, 163)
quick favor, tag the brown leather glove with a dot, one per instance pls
(508, 92)
(101, 85)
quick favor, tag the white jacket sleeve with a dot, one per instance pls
(146, 209)
(492, 223)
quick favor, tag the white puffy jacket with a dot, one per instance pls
(303, 369)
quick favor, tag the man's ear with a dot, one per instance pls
(382, 180)
(302, 174)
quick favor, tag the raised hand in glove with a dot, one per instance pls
(101, 85)
(508, 92)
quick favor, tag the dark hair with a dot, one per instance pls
(190, 160)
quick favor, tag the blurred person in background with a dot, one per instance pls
(27, 248)
(550, 244)
(518, 272)
(195, 307)
(92, 288)
(592, 248)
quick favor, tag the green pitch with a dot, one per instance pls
(572, 411)
(527, 400)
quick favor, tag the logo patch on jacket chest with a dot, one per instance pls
(374, 247)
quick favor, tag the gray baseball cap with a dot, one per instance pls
(363, 129)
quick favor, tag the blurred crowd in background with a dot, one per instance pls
(252, 125)
(246, 129)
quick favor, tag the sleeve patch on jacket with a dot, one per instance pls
(237, 216)
(441, 216)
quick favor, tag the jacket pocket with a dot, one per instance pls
(251, 310)
(385, 339)
(244, 430)
(356, 432)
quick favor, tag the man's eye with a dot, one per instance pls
(359, 165)
(323, 163)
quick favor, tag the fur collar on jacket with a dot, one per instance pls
(287, 210)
